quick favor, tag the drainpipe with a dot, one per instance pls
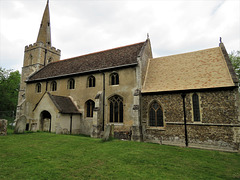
(70, 123)
(185, 121)
(46, 86)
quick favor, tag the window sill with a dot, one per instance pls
(115, 85)
(197, 122)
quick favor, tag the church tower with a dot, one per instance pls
(36, 56)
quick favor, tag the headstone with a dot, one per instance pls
(65, 131)
(58, 129)
(106, 133)
(34, 127)
(20, 124)
(3, 127)
(109, 132)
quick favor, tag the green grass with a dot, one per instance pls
(50, 156)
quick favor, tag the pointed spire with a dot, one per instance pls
(44, 34)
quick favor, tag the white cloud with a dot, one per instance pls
(80, 27)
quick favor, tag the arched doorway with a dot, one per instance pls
(45, 121)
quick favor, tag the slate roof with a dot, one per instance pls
(112, 58)
(195, 70)
(64, 104)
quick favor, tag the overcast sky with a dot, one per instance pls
(83, 26)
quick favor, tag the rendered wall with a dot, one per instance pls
(82, 93)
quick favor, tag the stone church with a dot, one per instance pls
(188, 99)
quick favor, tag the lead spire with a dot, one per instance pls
(44, 34)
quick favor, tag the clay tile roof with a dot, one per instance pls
(64, 104)
(117, 57)
(194, 70)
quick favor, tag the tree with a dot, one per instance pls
(9, 87)
(235, 59)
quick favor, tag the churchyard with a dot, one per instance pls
(49, 156)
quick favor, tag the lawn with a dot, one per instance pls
(50, 156)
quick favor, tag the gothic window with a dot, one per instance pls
(53, 86)
(196, 110)
(38, 87)
(71, 84)
(114, 79)
(91, 81)
(89, 108)
(116, 109)
(155, 115)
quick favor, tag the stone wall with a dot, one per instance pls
(219, 127)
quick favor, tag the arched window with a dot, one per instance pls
(38, 87)
(155, 115)
(53, 86)
(89, 108)
(91, 81)
(71, 84)
(116, 109)
(30, 59)
(114, 79)
(196, 110)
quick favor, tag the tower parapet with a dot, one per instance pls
(42, 45)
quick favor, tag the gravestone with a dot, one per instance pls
(20, 125)
(65, 131)
(3, 127)
(34, 127)
(109, 131)
(58, 129)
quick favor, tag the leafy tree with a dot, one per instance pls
(235, 59)
(9, 87)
